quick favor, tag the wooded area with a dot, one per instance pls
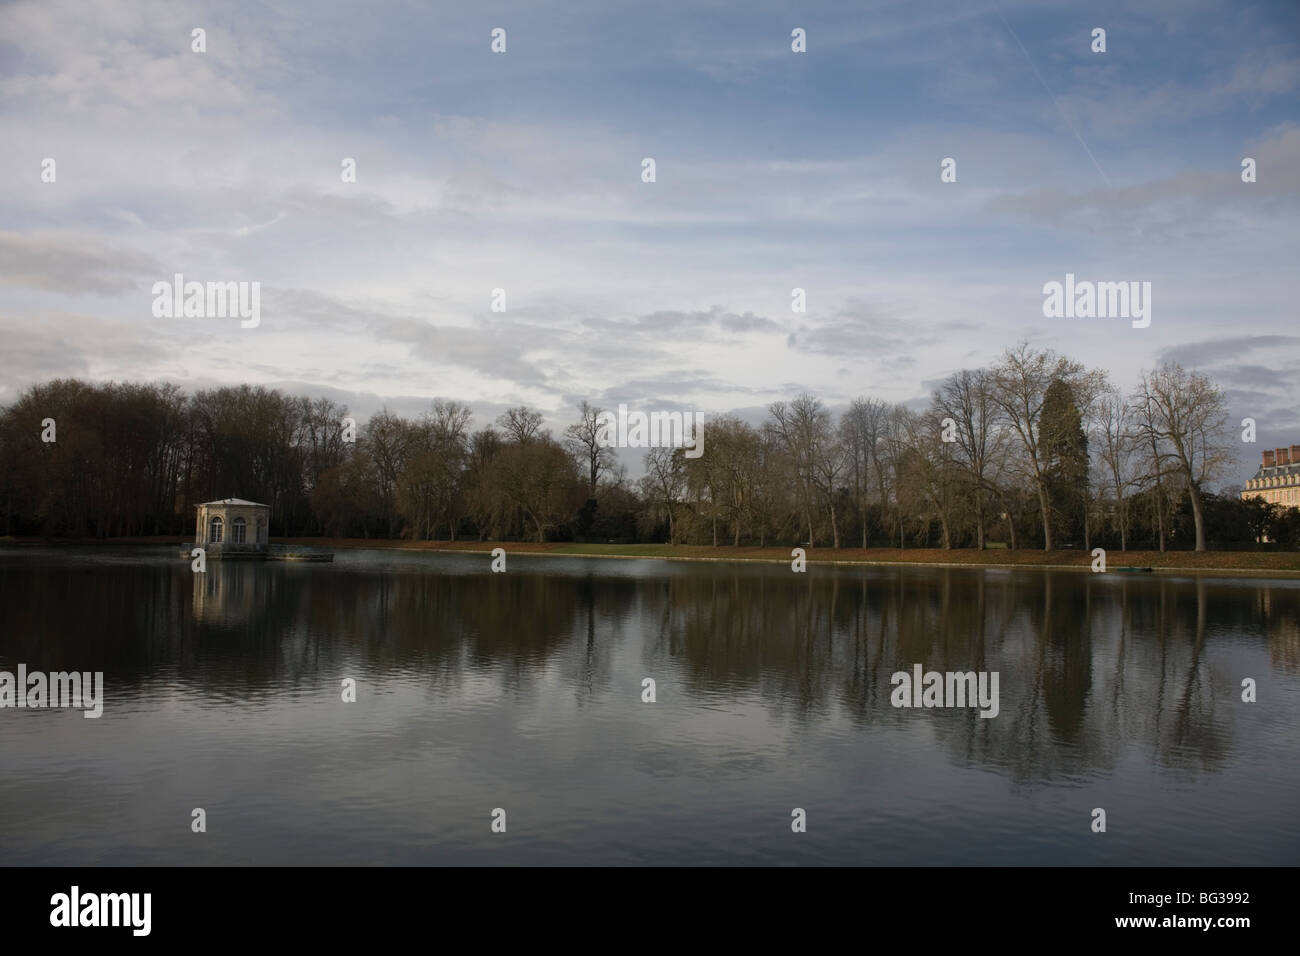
(1033, 451)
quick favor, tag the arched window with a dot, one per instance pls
(214, 530)
(238, 531)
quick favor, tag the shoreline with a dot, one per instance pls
(1281, 565)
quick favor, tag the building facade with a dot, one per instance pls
(232, 526)
(1278, 478)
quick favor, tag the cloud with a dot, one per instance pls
(775, 171)
(58, 344)
(1216, 351)
(72, 263)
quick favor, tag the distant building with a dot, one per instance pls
(1278, 478)
(232, 526)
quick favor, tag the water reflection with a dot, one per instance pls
(1090, 666)
(1131, 680)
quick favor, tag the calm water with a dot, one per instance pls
(523, 691)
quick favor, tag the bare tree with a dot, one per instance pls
(484, 508)
(829, 460)
(967, 398)
(1030, 439)
(703, 476)
(521, 424)
(321, 437)
(767, 491)
(388, 441)
(538, 479)
(804, 430)
(1022, 379)
(1185, 423)
(931, 468)
(891, 453)
(734, 455)
(860, 429)
(430, 486)
(1146, 434)
(665, 482)
(1115, 451)
(582, 438)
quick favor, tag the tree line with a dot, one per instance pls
(1032, 451)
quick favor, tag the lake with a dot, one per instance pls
(523, 691)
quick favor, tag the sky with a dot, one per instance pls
(774, 170)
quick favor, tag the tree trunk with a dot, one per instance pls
(1123, 525)
(1198, 515)
(1087, 528)
(1160, 515)
(1046, 510)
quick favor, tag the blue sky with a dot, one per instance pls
(522, 171)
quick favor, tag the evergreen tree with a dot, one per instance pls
(1065, 454)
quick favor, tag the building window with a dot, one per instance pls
(214, 530)
(261, 531)
(238, 531)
